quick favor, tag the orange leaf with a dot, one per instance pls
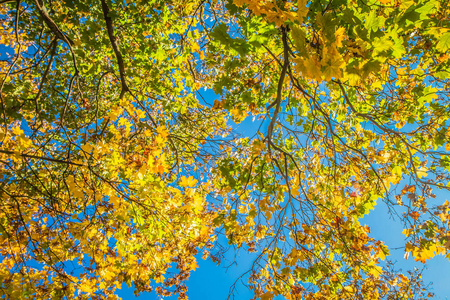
(415, 215)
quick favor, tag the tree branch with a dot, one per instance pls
(58, 33)
(42, 157)
(280, 86)
(113, 41)
(51, 24)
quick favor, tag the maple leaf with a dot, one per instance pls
(140, 114)
(302, 10)
(415, 215)
(267, 296)
(198, 203)
(193, 265)
(159, 279)
(188, 181)
(376, 271)
(295, 191)
(421, 172)
(444, 42)
(340, 35)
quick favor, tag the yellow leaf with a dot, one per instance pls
(266, 296)
(140, 114)
(397, 170)
(87, 148)
(17, 131)
(159, 140)
(114, 200)
(382, 251)
(375, 271)
(188, 181)
(294, 191)
(423, 255)
(403, 278)
(302, 9)
(194, 47)
(9, 263)
(349, 289)
(381, 255)
(193, 265)
(159, 279)
(198, 203)
(339, 36)
(162, 131)
(86, 286)
(238, 114)
(115, 112)
(422, 172)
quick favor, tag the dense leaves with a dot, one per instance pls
(120, 162)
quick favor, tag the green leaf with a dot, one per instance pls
(444, 42)
(299, 36)
(374, 22)
(220, 34)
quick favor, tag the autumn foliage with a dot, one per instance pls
(120, 162)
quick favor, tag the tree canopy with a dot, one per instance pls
(121, 163)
